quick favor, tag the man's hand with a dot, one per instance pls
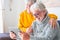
(29, 30)
(24, 36)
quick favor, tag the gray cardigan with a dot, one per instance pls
(44, 31)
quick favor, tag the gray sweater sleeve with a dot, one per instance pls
(32, 37)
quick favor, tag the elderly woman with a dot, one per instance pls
(42, 28)
(25, 19)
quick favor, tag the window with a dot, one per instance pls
(1, 19)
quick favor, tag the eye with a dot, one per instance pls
(34, 14)
(37, 14)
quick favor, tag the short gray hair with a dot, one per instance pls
(38, 5)
(27, 1)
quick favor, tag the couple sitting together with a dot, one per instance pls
(35, 23)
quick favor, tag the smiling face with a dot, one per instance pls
(28, 5)
(39, 14)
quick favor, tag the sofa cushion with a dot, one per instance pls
(59, 22)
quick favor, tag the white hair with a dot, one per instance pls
(38, 5)
(27, 1)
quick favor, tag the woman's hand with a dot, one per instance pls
(52, 22)
(12, 35)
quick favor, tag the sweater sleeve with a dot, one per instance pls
(20, 25)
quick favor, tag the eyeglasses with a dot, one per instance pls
(36, 14)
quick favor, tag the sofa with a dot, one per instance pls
(59, 22)
(4, 36)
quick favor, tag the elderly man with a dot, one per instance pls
(42, 28)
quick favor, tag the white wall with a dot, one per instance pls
(55, 10)
(17, 7)
(11, 17)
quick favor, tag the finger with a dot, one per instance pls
(54, 24)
